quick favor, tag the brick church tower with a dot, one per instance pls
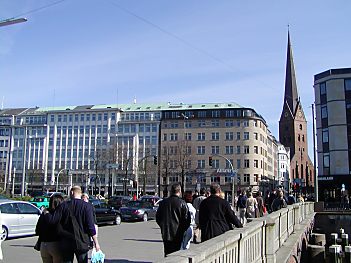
(293, 130)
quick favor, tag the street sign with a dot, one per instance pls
(233, 175)
(112, 165)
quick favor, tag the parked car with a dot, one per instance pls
(138, 210)
(118, 201)
(105, 213)
(37, 193)
(150, 198)
(49, 194)
(19, 218)
(41, 202)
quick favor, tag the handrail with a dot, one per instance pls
(258, 241)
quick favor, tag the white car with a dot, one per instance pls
(18, 218)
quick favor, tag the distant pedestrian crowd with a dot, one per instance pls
(194, 218)
(200, 217)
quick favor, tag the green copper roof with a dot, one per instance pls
(145, 107)
(60, 108)
(168, 106)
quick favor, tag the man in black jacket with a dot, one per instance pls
(83, 212)
(279, 202)
(216, 216)
(174, 219)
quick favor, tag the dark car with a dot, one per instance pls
(105, 213)
(118, 201)
(138, 210)
(150, 198)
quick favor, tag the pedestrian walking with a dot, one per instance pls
(260, 205)
(291, 199)
(241, 207)
(271, 197)
(76, 217)
(48, 240)
(346, 202)
(216, 216)
(279, 201)
(189, 233)
(174, 218)
(196, 204)
(251, 206)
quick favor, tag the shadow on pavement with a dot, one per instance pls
(143, 240)
(124, 261)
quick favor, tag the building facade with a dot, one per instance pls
(120, 149)
(284, 167)
(205, 143)
(333, 123)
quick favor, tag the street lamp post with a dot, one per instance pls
(233, 173)
(181, 153)
(12, 21)
(96, 173)
(57, 180)
(13, 181)
(314, 158)
(24, 162)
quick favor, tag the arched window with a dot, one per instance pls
(301, 127)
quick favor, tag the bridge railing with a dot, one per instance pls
(258, 241)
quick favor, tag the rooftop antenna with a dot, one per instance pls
(53, 103)
(117, 96)
(2, 102)
(135, 100)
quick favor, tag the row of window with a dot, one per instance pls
(323, 93)
(4, 132)
(4, 143)
(3, 154)
(212, 123)
(323, 87)
(142, 116)
(5, 120)
(35, 120)
(201, 150)
(215, 136)
(32, 131)
(209, 114)
(210, 179)
(201, 164)
(82, 117)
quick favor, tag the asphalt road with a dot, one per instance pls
(128, 242)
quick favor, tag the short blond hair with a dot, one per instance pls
(76, 190)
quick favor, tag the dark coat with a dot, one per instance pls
(278, 204)
(173, 217)
(216, 217)
(83, 213)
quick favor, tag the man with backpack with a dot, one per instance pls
(75, 222)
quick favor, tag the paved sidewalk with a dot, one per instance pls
(128, 242)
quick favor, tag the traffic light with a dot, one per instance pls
(210, 161)
(155, 159)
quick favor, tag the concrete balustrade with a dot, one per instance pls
(261, 240)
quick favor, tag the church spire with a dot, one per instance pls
(291, 96)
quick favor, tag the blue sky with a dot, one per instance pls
(94, 51)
